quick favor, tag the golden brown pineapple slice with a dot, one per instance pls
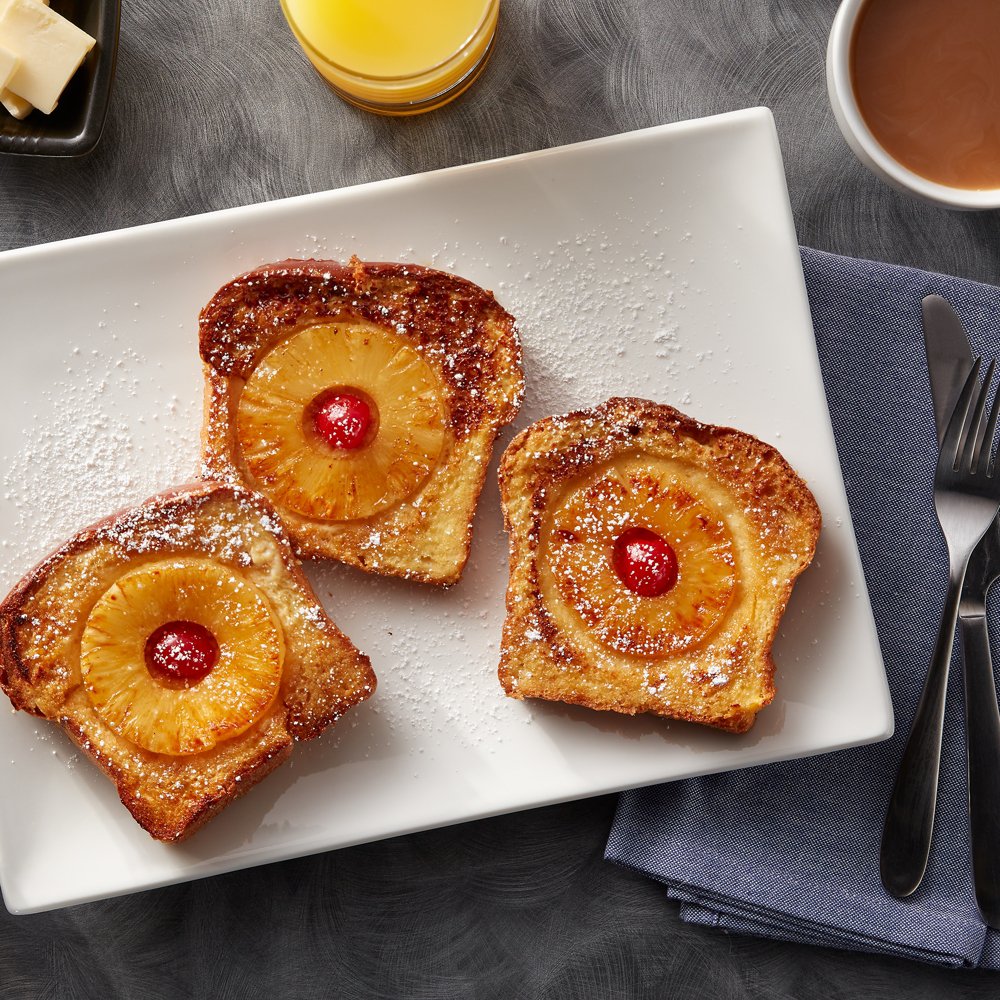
(299, 469)
(170, 716)
(581, 542)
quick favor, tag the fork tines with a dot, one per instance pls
(966, 437)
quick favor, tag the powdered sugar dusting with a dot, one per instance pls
(429, 693)
(103, 434)
(584, 305)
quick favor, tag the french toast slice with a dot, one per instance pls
(181, 647)
(651, 559)
(363, 400)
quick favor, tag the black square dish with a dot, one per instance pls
(78, 120)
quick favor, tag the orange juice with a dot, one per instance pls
(395, 56)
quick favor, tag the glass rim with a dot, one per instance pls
(315, 54)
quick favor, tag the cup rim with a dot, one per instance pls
(857, 133)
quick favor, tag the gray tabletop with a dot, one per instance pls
(213, 107)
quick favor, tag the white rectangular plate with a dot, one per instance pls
(661, 263)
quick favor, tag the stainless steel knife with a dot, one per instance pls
(949, 360)
(949, 357)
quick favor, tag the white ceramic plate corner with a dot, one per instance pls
(660, 263)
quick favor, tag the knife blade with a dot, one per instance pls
(949, 359)
(949, 356)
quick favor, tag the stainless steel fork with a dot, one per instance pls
(966, 499)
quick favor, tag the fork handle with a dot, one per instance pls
(909, 820)
(982, 722)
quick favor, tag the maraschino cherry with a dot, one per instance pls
(342, 420)
(181, 651)
(644, 562)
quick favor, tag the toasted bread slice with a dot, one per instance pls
(82, 618)
(735, 525)
(437, 362)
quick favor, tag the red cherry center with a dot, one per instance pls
(342, 420)
(644, 562)
(181, 651)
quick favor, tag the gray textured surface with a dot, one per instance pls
(214, 107)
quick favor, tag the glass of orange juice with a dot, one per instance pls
(395, 57)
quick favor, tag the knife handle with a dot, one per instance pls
(909, 820)
(982, 727)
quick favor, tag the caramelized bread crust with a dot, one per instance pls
(458, 328)
(744, 490)
(43, 618)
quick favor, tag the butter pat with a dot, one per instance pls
(17, 106)
(8, 63)
(49, 47)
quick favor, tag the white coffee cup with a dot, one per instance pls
(860, 138)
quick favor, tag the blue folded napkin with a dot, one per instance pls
(790, 851)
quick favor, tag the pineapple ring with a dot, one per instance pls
(172, 718)
(580, 543)
(295, 468)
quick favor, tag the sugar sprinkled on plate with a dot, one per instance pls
(109, 459)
